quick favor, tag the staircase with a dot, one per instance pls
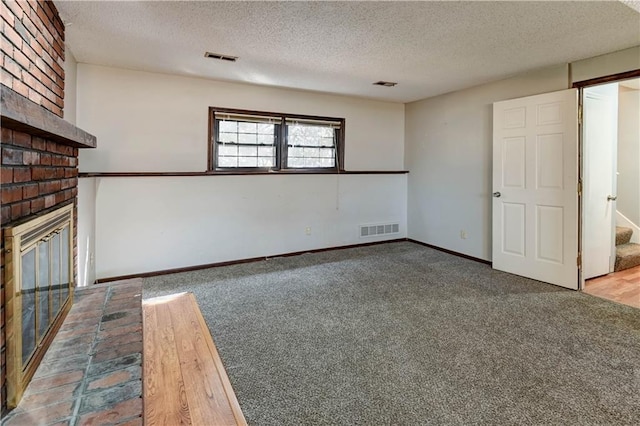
(627, 253)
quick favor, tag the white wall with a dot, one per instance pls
(629, 154)
(70, 79)
(86, 231)
(86, 201)
(448, 154)
(151, 224)
(448, 150)
(604, 65)
(155, 122)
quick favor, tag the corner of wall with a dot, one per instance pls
(70, 69)
(87, 192)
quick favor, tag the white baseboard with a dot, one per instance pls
(622, 220)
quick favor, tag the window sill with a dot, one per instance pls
(234, 173)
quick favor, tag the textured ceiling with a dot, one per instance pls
(429, 48)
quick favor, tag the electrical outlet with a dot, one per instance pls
(463, 234)
(307, 230)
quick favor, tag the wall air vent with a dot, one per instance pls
(385, 83)
(377, 230)
(221, 57)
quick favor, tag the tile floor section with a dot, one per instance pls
(92, 373)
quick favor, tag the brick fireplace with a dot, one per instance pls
(39, 148)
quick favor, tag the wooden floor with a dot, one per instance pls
(622, 287)
(184, 380)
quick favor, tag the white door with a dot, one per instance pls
(600, 146)
(535, 181)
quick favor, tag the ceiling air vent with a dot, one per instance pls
(385, 83)
(228, 58)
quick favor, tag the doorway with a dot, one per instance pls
(611, 190)
(539, 171)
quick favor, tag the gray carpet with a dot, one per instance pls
(402, 334)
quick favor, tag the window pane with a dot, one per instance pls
(247, 162)
(266, 129)
(326, 152)
(244, 127)
(248, 151)
(228, 126)
(296, 162)
(228, 137)
(266, 139)
(294, 131)
(266, 162)
(296, 152)
(266, 151)
(312, 162)
(304, 135)
(326, 142)
(228, 150)
(311, 146)
(311, 152)
(310, 141)
(246, 144)
(228, 162)
(248, 138)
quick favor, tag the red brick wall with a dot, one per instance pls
(37, 175)
(33, 52)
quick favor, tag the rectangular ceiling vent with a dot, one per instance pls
(377, 230)
(385, 83)
(221, 57)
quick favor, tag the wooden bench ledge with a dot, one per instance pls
(184, 380)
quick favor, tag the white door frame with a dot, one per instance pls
(581, 85)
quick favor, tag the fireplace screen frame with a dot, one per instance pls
(39, 236)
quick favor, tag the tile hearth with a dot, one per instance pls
(92, 373)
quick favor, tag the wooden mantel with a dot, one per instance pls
(22, 114)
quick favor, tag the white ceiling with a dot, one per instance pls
(429, 48)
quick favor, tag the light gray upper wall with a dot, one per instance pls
(162, 120)
(609, 64)
(448, 150)
(448, 154)
(629, 154)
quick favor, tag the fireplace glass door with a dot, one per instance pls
(39, 290)
(28, 304)
(45, 287)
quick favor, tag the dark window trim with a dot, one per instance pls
(281, 144)
(627, 75)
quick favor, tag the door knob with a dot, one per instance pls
(612, 198)
(497, 194)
